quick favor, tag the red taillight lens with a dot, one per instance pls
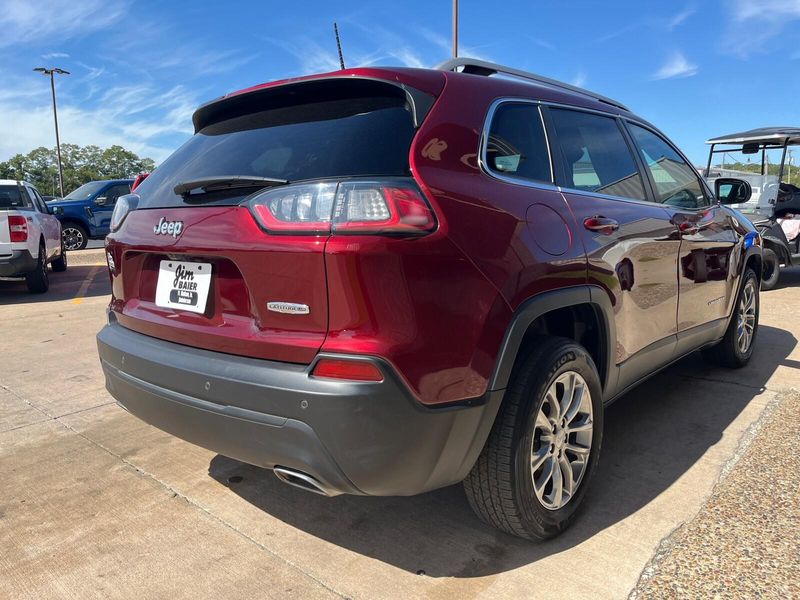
(17, 228)
(342, 368)
(372, 207)
(385, 207)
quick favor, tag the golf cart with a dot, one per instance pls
(774, 202)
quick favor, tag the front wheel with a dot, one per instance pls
(771, 269)
(74, 236)
(543, 449)
(736, 347)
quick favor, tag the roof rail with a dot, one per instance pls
(482, 67)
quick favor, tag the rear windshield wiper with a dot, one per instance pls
(225, 182)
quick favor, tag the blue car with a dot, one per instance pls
(85, 213)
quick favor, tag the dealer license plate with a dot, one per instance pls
(183, 285)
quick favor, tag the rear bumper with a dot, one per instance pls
(19, 263)
(353, 437)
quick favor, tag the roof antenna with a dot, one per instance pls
(338, 45)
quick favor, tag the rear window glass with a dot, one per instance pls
(336, 138)
(10, 198)
(517, 145)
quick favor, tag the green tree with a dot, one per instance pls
(80, 164)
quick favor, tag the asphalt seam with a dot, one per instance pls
(173, 491)
(49, 417)
(668, 542)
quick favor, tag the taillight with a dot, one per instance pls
(17, 228)
(380, 207)
(342, 368)
(124, 205)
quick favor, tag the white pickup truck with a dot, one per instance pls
(30, 237)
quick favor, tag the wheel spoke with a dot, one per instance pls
(575, 449)
(545, 476)
(543, 423)
(558, 484)
(567, 475)
(585, 425)
(539, 457)
(575, 404)
(569, 393)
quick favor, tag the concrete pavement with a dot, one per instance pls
(94, 503)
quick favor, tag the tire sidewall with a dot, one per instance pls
(769, 255)
(572, 357)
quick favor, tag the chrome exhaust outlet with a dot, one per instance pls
(300, 480)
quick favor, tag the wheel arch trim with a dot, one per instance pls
(541, 304)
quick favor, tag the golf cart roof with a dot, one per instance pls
(763, 135)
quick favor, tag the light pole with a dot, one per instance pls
(51, 73)
(455, 28)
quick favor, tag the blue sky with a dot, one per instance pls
(139, 68)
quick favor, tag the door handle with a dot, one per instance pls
(601, 225)
(30, 219)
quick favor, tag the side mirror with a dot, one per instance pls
(55, 210)
(100, 200)
(732, 191)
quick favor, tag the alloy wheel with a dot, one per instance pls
(562, 440)
(72, 238)
(746, 317)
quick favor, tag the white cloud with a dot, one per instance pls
(542, 43)
(676, 66)
(580, 79)
(25, 21)
(139, 117)
(50, 55)
(680, 17)
(754, 22)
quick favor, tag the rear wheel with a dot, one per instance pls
(37, 280)
(736, 347)
(74, 236)
(533, 472)
(771, 269)
(60, 264)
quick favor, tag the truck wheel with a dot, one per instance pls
(771, 269)
(736, 348)
(60, 264)
(37, 280)
(74, 236)
(543, 449)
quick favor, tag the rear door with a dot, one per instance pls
(631, 245)
(706, 278)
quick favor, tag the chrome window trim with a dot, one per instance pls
(484, 164)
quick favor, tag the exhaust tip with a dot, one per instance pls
(301, 480)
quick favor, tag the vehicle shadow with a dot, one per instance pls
(653, 436)
(78, 281)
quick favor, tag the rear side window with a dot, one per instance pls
(676, 182)
(517, 145)
(11, 199)
(595, 155)
(307, 138)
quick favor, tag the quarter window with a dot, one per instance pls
(676, 182)
(517, 145)
(595, 155)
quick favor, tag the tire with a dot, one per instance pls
(74, 236)
(771, 269)
(60, 263)
(730, 352)
(500, 488)
(37, 280)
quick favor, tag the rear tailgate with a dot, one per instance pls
(5, 239)
(267, 295)
(248, 270)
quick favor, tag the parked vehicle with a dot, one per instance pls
(138, 179)
(384, 281)
(86, 212)
(30, 237)
(776, 199)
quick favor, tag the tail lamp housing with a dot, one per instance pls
(348, 369)
(17, 228)
(391, 206)
(123, 206)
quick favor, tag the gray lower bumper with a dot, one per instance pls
(356, 438)
(19, 263)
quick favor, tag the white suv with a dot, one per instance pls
(30, 237)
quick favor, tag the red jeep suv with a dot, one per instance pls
(383, 281)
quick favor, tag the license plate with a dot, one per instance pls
(183, 285)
